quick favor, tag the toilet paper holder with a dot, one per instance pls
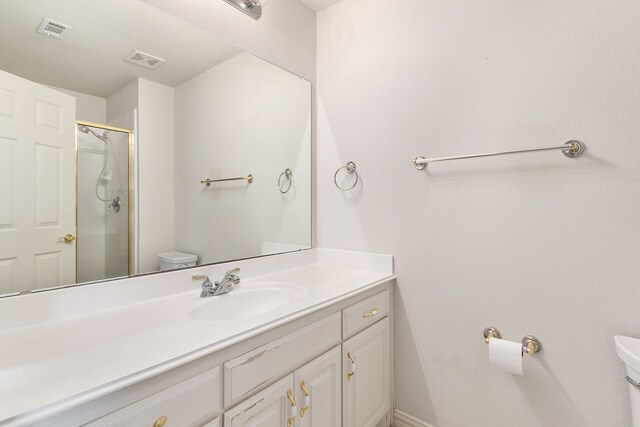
(530, 344)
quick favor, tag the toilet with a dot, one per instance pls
(628, 350)
(176, 260)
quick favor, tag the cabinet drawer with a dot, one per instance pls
(269, 408)
(188, 403)
(214, 423)
(365, 313)
(249, 372)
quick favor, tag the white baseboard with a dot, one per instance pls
(400, 419)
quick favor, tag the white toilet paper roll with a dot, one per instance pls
(506, 355)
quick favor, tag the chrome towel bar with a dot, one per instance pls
(570, 149)
(248, 178)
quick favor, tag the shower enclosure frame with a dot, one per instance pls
(130, 184)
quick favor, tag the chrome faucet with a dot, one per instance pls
(224, 286)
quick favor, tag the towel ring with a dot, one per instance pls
(350, 167)
(287, 176)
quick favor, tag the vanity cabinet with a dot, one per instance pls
(273, 407)
(309, 397)
(318, 387)
(188, 403)
(330, 368)
(247, 373)
(366, 377)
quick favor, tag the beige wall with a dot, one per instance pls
(532, 244)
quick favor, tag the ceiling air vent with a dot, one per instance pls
(144, 59)
(52, 28)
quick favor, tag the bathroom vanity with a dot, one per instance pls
(304, 341)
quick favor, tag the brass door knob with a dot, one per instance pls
(69, 238)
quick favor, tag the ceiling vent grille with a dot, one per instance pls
(144, 59)
(52, 28)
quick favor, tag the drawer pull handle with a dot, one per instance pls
(353, 366)
(370, 313)
(307, 399)
(293, 408)
(160, 421)
(304, 388)
(292, 399)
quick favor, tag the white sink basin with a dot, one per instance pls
(252, 300)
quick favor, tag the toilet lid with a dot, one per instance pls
(177, 257)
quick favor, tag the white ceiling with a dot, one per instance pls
(319, 5)
(90, 57)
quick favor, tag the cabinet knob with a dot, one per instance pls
(160, 421)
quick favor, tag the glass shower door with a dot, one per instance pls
(103, 202)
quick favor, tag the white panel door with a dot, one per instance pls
(270, 408)
(37, 185)
(318, 391)
(366, 376)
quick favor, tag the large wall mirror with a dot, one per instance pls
(133, 142)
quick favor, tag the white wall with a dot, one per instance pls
(154, 140)
(244, 116)
(156, 172)
(121, 103)
(88, 107)
(285, 35)
(532, 244)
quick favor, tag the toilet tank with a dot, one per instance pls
(628, 350)
(176, 260)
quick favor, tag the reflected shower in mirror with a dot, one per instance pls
(103, 215)
(111, 115)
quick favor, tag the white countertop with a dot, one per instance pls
(63, 362)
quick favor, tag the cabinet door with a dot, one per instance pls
(366, 376)
(273, 407)
(318, 391)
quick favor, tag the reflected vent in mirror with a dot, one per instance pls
(144, 59)
(52, 28)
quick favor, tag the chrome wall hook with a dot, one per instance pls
(350, 167)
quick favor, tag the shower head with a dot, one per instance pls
(86, 129)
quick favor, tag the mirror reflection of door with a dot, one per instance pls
(37, 186)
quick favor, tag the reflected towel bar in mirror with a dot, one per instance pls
(570, 149)
(248, 178)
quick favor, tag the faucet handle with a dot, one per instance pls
(198, 277)
(234, 271)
